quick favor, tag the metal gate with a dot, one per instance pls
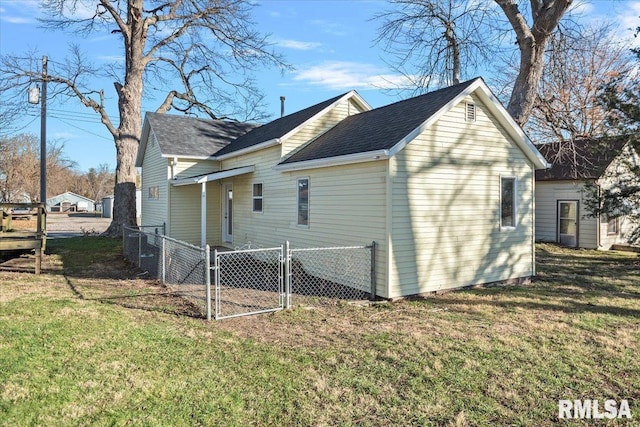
(249, 281)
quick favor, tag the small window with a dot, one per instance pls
(303, 201)
(507, 202)
(471, 112)
(154, 193)
(257, 197)
(613, 226)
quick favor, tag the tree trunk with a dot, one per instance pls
(531, 41)
(129, 131)
(525, 88)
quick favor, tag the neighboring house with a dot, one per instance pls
(561, 195)
(443, 183)
(70, 202)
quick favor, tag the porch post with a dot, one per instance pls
(203, 215)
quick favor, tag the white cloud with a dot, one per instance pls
(298, 45)
(350, 75)
(64, 135)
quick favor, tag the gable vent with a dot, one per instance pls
(471, 112)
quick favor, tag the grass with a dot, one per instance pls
(91, 343)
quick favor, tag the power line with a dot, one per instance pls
(84, 130)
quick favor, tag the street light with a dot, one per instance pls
(34, 98)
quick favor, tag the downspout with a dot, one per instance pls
(203, 215)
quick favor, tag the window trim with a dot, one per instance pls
(254, 197)
(298, 201)
(617, 225)
(154, 193)
(515, 204)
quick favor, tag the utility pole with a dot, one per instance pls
(43, 135)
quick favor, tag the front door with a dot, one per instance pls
(568, 223)
(227, 214)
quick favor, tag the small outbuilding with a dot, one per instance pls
(68, 202)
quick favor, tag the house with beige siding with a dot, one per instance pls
(564, 190)
(443, 183)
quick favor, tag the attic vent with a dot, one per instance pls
(471, 112)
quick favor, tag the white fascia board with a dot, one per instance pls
(187, 157)
(248, 150)
(213, 176)
(347, 159)
(516, 132)
(484, 93)
(146, 131)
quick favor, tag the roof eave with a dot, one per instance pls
(368, 156)
(251, 149)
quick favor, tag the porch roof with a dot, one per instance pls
(213, 176)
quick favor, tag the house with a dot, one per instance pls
(562, 192)
(443, 183)
(70, 202)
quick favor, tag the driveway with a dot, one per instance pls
(75, 224)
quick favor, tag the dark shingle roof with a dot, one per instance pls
(194, 137)
(377, 129)
(277, 128)
(592, 156)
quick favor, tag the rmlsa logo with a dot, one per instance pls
(591, 409)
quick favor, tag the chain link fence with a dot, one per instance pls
(250, 281)
(183, 268)
(320, 276)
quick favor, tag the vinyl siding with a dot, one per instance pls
(346, 206)
(445, 225)
(319, 126)
(155, 168)
(620, 169)
(548, 193)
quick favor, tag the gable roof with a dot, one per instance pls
(382, 132)
(593, 156)
(282, 127)
(189, 137)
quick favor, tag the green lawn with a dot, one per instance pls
(91, 343)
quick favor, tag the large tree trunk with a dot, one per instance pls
(532, 40)
(127, 139)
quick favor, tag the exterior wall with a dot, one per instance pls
(185, 208)
(341, 111)
(621, 170)
(155, 174)
(548, 193)
(445, 207)
(346, 206)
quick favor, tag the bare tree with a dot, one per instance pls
(20, 168)
(531, 38)
(436, 42)
(580, 63)
(439, 41)
(202, 50)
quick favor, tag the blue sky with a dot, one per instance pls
(329, 43)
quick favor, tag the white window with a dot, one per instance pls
(507, 202)
(303, 201)
(613, 225)
(470, 113)
(154, 193)
(257, 197)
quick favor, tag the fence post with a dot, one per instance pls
(207, 272)
(216, 282)
(287, 275)
(139, 248)
(163, 274)
(372, 293)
